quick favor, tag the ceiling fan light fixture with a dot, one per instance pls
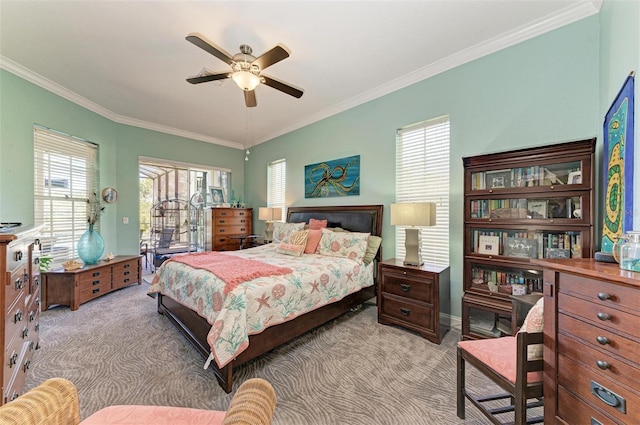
(246, 80)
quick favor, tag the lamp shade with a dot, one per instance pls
(269, 214)
(413, 214)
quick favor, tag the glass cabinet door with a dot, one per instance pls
(501, 279)
(553, 208)
(553, 174)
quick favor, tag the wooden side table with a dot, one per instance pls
(75, 287)
(414, 297)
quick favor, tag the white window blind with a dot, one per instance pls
(422, 175)
(276, 185)
(66, 175)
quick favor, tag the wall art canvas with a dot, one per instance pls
(339, 177)
(618, 167)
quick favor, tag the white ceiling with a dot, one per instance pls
(128, 60)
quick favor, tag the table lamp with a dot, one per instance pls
(413, 214)
(269, 215)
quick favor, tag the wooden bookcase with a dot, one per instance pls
(521, 205)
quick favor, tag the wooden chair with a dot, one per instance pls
(514, 363)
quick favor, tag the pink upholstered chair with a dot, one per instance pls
(514, 363)
(55, 402)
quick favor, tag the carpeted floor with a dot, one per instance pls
(118, 350)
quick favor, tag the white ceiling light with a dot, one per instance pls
(246, 80)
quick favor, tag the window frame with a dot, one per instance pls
(277, 185)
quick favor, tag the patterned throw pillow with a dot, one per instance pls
(313, 241)
(343, 244)
(281, 230)
(294, 244)
(533, 323)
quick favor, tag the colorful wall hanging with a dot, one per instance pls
(340, 177)
(618, 167)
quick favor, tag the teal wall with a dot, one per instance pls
(553, 88)
(23, 104)
(542, 91)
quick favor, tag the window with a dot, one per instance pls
(276, 185)
(422, 175)
(65, 176)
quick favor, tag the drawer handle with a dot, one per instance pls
(95, 291)
(603, 296)
(126, 280)
(36, 280)
(602, 340)
(13, 359)
(15, 395)
(405, 311)
(25, 332)
(38, 301)
(18, 283)
(17, 256)
(37, 327)
(96, 274)
(31, 345)
(221, 230)
(594, 421)
(17, 316)
(604, 316)
(405, 287)
(127, 273)
(603, 365)
(36, 261)
(243, 221)
(26, 278)
(32, 316)
(608, 397)
(126, 266)
(36, 241)
(95, 282)
(27, 365)
(243, 229)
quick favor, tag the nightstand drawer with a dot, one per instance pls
(404, 286)
(408, 311)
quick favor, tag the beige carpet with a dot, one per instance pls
(118, 350)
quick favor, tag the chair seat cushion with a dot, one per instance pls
(500, 355)
(154, 415)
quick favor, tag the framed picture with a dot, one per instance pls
(521, 247)
(618, 173)
(557, 253)
(489, 245)
(218, 197)
(339, 177)
(575, 177)
(109, 195)
(538, 208)
(498, 179)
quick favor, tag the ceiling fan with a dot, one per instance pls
(246, 70)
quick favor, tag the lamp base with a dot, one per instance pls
(413, 248)
(268, 231)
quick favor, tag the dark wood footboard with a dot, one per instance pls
(196, 328)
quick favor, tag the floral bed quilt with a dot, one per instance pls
(255, 305)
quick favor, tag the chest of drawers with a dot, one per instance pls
(416, 298)
(592, 343)
(75, 287)
(226, 222)
(20, 297)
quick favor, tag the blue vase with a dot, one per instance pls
(90, 246)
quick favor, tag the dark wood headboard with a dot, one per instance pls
(355, 218)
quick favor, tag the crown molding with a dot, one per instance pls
(565, 17)
(55, 88)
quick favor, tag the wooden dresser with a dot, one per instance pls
(592, 343)
(227, 222)
(414, 297)
(75, 287)
(20, 296)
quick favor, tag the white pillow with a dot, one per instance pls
(282, 231)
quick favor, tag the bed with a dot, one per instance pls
(197, 329)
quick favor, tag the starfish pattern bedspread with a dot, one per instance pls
(255, 305)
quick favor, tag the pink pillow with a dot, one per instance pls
(315, 224)
(312, 241)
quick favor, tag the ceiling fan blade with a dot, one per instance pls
(250, 98)
(210, 77)
(200, 41)
(274, 55)
(283, 87)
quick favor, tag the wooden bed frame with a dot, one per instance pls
(360, 218)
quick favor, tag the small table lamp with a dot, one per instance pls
(413, 214)
(269, 215)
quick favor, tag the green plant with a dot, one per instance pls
(44, 263)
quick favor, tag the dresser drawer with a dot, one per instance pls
(230, 213)
(576, 411)
(93, 278)
(615, 296)
(18, 284)
(87, 294)
(600, 338)
(408, 286)
(605, 364)
(406, 310)
(239, 229)
(600, 314)
(17, 255)
(16, 318)
(17, 374)
(125, 274)
(578, 379)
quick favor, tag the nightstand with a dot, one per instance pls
(414, 297)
